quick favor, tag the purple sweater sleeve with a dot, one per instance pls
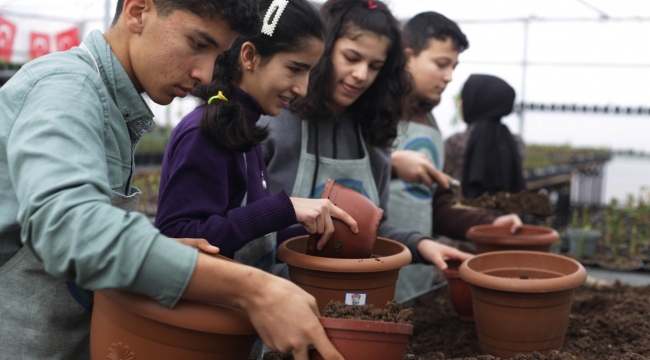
(201, 192)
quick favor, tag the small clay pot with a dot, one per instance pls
(522, 299)
(130, 326)
(589, 240)
(459, 292)
(351, 281)
(498, 238)
(343, 243)
(363, 339)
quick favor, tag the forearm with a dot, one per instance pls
(213, 281)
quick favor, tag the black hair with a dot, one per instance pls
(225, 121)
(417, 34)
(379, 108)
(242, 15)
(427, 25)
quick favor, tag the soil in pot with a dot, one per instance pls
(605, 323)
(523, 202)
(364, 332)
(489, 238)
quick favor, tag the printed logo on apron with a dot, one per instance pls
(426, 146)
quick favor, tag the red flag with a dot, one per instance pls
(39, 44)
(7, 35)
(67, 39)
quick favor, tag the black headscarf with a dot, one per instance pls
(492, 161)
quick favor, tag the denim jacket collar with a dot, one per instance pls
(126, 97)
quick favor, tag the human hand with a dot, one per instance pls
(285, 317)
(316, 216)
(511, 220)
(415, 167)
(201, 244)
(437, 253)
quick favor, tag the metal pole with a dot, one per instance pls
(107, 14)
(524, 66)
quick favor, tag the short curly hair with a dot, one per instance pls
(242, 15)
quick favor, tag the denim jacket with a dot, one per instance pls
(69, 124)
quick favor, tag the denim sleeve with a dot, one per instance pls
(58, 169)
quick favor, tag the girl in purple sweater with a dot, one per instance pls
(214, 183)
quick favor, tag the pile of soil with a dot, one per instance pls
(610, 323)
(523, 202)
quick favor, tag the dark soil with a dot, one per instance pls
(523, 202)
(393, 312)
(605, 324)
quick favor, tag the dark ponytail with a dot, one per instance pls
(225, 121)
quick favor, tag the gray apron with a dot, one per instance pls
(355, 174)
(36, 305)
(410, 206)
(352, 173)
(260, 252)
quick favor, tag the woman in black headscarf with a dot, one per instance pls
(492, 160)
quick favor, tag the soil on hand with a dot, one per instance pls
(607, 324)
(393, 312)
(523, 202)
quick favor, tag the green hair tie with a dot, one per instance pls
(219, 96)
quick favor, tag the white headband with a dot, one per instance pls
(277, 7)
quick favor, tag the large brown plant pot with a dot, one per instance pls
(459, 292)
(363, 339)
(130, 326)
(352, 281)
(498, 238)
(344, 243)
(522, 299)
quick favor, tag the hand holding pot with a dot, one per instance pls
(437, 253)
(316, 216)
(511, 220)
(414, 167)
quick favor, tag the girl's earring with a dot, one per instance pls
(249, 68)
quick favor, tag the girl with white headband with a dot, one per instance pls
(214, 183)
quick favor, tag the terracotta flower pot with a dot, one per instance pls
(363, 339)
(131, 326)
(344, 243)
(459, 292)
(498, 238)
(352, 281)
(522, 299)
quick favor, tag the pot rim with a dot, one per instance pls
(319, 263)
(563, 282)
(482, 234)
(366, 325)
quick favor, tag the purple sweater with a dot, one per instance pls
(202, 187)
